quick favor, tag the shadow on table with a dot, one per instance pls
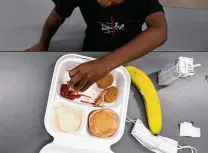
(154, 78)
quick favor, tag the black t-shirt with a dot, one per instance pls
(109, 28)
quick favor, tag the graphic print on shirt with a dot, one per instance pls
(111, 27)
(114, 27)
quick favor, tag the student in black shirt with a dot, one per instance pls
(112, 25)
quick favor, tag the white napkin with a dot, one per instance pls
(187, 129)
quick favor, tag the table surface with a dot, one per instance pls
(24, 85)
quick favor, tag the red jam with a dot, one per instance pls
(69, 94)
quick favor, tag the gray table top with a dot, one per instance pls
(24, 85)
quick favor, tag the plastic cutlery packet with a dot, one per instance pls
(77, 121)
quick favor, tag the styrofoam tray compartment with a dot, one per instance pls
(81, 140)
(93, 91)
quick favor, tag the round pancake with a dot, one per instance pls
(105, 82)
(103, 123)
(110, 94)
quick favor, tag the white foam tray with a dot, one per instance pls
(82, 141)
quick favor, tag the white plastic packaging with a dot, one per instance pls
(82, 141)
(181, 68)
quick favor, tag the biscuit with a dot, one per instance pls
(110, 94)
(105, 82)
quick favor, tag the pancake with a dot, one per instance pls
(105, 82)
(103, 123)
(110, 94)
(66, 118)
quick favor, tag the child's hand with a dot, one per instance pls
(84, 75)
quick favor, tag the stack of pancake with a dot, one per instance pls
(109, 94)
(103, 123)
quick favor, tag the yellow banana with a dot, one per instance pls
(149, 93)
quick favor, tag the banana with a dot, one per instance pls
(151, 99)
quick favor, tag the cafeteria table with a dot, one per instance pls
(24, 86)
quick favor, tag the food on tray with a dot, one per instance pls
(106, 82)
(152, 101)
(99, 101)
(103, 123)
(109, 95)
(66, 118)
(69, 93)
